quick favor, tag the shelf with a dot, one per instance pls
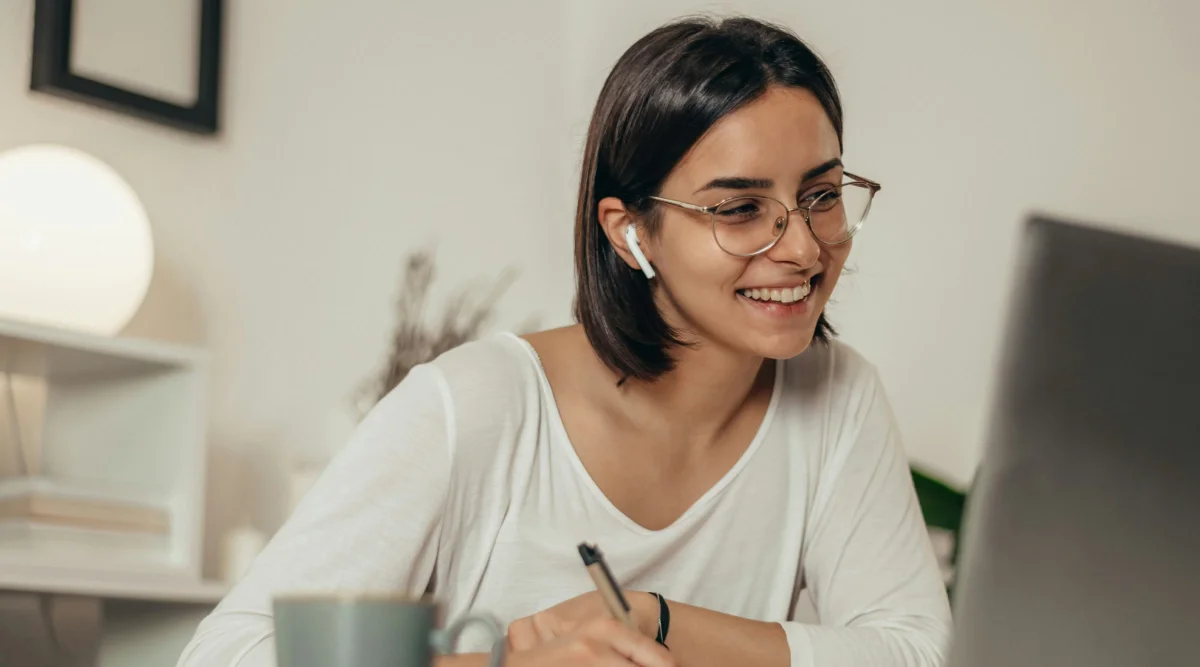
(47, 351)
(108, 585)
(108, 418)
(80, 491)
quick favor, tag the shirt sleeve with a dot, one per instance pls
(370, 522)
(868, 563)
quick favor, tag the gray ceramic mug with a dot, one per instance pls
(363, 630)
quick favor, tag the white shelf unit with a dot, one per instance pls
(123, 414)
(110, 586)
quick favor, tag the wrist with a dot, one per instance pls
(645, 613)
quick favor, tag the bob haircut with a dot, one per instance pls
(661, 97)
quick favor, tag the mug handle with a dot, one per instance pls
(444, 641)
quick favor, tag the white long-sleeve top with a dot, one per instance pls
(464, 479)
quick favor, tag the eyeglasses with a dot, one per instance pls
(745, 226)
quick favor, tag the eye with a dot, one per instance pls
(744, 209)
(741, 210)
(821, 198)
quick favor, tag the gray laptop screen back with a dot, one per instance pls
(1082, 534)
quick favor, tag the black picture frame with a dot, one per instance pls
(52, 74)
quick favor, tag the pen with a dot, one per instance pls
(606, 584)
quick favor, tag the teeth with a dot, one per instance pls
(780, 295)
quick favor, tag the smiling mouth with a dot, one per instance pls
(795, 294)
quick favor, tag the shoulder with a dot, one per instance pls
(480, 380)
(497, 361)
(493, 395)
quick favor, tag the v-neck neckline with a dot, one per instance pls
(560, 429)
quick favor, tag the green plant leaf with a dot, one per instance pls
(941, 505)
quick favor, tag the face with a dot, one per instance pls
(772, 146)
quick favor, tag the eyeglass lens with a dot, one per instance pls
(747, 225)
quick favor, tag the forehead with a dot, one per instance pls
(778, 136)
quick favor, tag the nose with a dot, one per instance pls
(797, 245)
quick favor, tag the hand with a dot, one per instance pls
(598, 642)
(565, 617)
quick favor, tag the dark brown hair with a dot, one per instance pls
(663, 94)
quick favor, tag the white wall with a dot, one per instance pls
(359, 130)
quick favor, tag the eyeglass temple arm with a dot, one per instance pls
(854, 177)
(683, 204)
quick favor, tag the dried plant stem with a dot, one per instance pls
(414, 342)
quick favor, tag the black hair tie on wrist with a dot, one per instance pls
(664, 619)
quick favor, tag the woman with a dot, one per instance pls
(699, 423)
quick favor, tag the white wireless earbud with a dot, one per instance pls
(636, 248)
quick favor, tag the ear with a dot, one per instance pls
(616, 221)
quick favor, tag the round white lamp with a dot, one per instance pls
(75, 244)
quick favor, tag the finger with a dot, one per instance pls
(522, 635)
(547, 627)
(630, 644)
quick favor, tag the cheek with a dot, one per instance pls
(833, 261)
(692, 265)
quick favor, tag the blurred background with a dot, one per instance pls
(354, 133)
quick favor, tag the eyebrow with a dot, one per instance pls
(744, 183)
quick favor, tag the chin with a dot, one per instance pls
(778, 343)
(784, 347)
(779, 335)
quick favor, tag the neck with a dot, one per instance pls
(707, 389)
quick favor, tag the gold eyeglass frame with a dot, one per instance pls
(851, 179)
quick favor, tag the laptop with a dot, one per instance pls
(1081, 539)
